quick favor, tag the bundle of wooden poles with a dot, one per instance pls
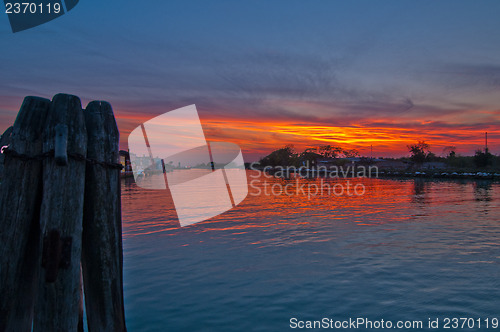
(60, 218)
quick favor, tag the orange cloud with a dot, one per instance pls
(258, 135)
(387, 140)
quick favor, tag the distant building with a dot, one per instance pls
(124, 160)
(390, 164)
(335, 161)
(434, 165)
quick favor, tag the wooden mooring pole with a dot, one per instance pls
(20, 201)
(102, 235)
(57, 306)
(59, 199)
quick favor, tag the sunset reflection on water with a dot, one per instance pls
(383, 201)
(405, 249)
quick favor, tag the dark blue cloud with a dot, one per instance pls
(263, 58)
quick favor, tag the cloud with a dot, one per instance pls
(471, 76)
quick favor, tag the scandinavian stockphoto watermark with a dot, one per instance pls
(364, 323)
(205, 178)
(310, 181)
(25, 14)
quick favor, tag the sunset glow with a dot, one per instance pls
(259, 137)
(380, 80)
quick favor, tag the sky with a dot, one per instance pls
(264, 74)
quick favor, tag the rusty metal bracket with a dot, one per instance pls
(56, 254)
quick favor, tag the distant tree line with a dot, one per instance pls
(420, 153)
(287, 156)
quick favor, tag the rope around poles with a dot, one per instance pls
(50, 154)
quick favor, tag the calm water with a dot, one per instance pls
(405, 250)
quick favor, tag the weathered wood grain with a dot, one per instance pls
(102, 260)
(54, 207)
(20, 199)
(57, 306)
